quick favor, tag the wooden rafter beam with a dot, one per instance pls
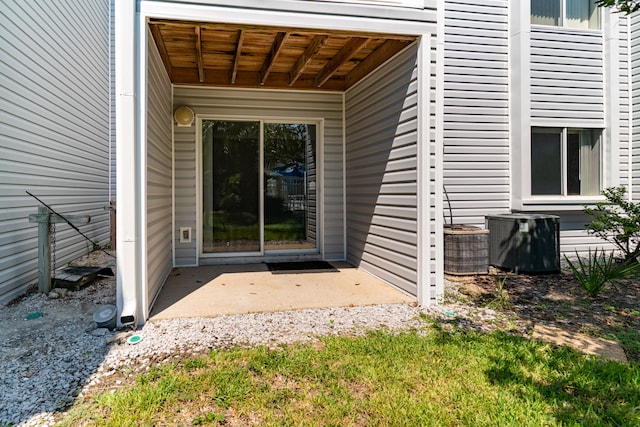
(312, 50)
(348, 50)
(236, 59)
(277, 80)
(162, 49)
(373, 61)
(198, 30)
(278, 42)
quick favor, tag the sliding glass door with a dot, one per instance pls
(290, 186)
(230, 186)
(258, 186)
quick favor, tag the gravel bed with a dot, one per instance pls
(48, 362)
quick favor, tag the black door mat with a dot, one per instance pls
(300, 267)
(75, 278)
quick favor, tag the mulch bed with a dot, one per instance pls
(558, 300)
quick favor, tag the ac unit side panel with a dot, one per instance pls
(524, 243)
(503, 248)
(544, 247)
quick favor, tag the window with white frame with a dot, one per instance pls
(565, 161)
(583, 14)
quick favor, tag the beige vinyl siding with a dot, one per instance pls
(567, 77)
(54, 129)
(261, 104)
(381, 172)
(159, 174)
(476, 110)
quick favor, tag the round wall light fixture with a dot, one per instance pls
(184, 116)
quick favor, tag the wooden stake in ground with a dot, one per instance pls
(45, 218)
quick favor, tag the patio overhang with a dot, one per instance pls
(313, 64)
(251, 56)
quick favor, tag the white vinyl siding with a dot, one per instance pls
(573, 237)
(476, 110)
(426, 12)
(433, 133)
(567, 77)
(261, 104)
(400, 3)
(568, 89)
(624, 94)
(54, 129)
(635, 72)
(159, 174)
(381, 172)
(311, 157)
(570, 82)
(112, 103)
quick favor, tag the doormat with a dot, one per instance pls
(300, 267)
(75, 278)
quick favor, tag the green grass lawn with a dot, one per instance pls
(278, 229)
(383, 379)
(286, 229)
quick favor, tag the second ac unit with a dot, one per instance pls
(527, 243)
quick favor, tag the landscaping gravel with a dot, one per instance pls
(48, 361)
(53, 352)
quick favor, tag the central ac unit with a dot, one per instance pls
(527, 243)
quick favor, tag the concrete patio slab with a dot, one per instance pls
(250, 288)
(607, 349)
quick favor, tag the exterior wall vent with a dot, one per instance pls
(524, 243)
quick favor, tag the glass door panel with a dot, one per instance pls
(289, 186)
(230, 186)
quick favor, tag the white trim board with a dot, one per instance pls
(330, 20)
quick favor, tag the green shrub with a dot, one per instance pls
(600, 269)
(617, 221)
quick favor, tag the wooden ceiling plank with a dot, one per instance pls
(373, 61)
(236, 59)
(278, 42)
(198, 31)
(348, 50)
(189, 76)
(311, 51)
(162, 48)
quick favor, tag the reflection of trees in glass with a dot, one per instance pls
(231, 185)
(288, 156)
(284, 145)
(235, 183)
(285, 167)
(230, 178)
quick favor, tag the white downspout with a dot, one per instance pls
(423, 253)
(630, 113)
(126, 160)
